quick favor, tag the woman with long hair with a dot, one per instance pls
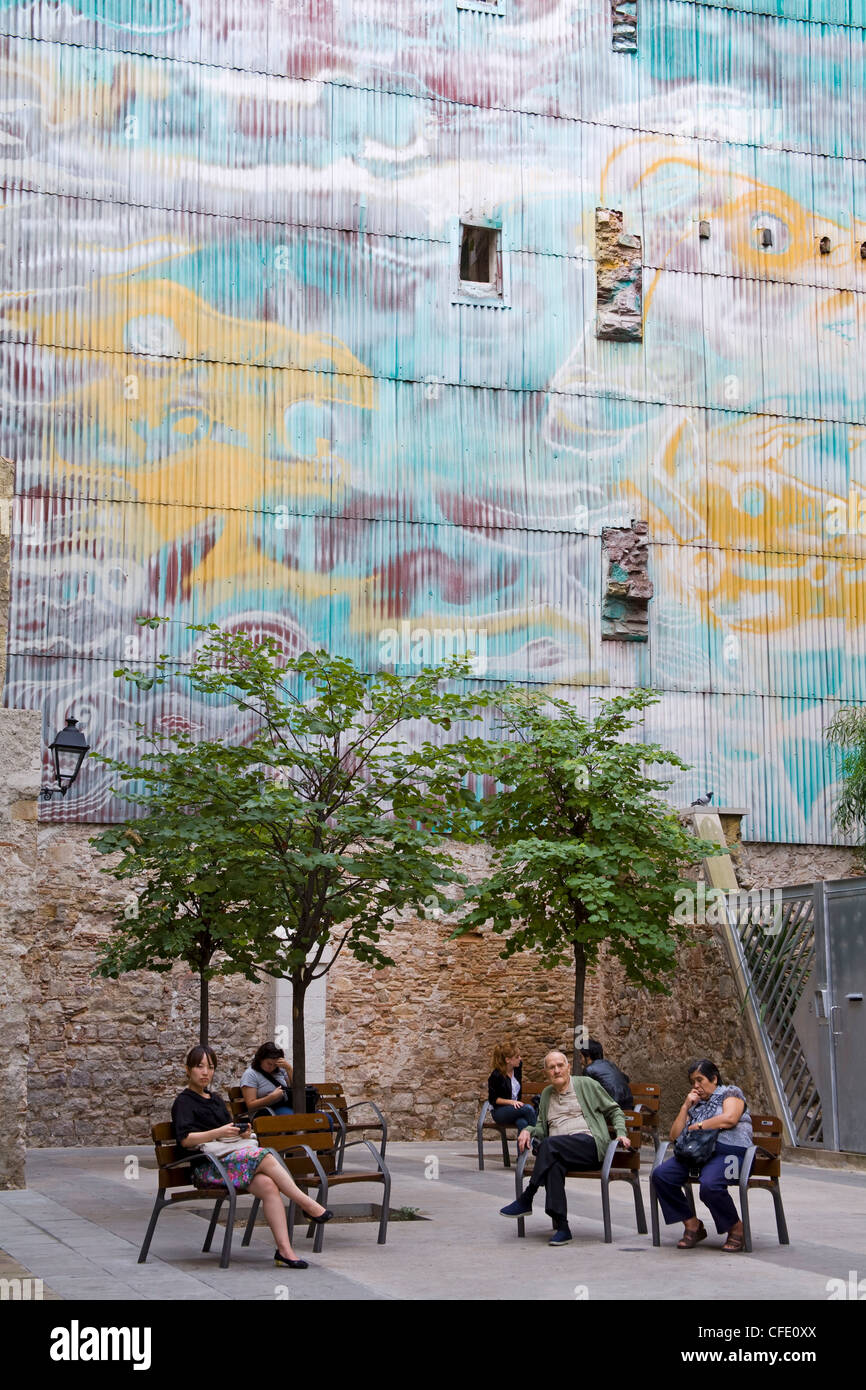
(504, 1088)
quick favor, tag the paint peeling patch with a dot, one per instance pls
(619, 279)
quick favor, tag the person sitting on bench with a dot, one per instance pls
(614, 1081)
(504, 1086)
(573, 1118)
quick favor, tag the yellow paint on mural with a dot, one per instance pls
(135, 392)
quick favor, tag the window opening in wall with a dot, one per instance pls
(478, 253)
(480, 274)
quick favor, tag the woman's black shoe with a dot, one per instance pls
(320, 1220)
(289, 1264)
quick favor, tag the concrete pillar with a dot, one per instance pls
(20, 777)
(314, 1019)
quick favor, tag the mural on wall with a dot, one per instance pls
(240, 383)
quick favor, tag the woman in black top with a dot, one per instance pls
(504, 1088)
(200, 1117)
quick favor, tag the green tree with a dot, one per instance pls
(192, 876)
(330, 818)
(586, 851)
(848, 733)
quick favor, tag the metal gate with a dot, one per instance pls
(802, 956)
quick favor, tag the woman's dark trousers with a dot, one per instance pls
(561, 1154)
(724, 1166)
(508, 1115)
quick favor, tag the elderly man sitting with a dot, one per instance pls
(573, 1117)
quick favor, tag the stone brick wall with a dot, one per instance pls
(418, 1039)
(19, 787)
(107, 1055)
(7, 487)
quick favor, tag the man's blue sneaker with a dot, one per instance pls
(560, 1237)
(522, 1207)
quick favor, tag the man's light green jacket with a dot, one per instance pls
(598, 1107)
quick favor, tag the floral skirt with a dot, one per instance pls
(241, 1168)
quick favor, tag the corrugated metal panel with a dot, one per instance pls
(840, 319)
(674, 315)
(667, 182)
(668, 54)
(836, 72)
(834, 183)
(791, 380)
(533, 59)
(679, 655)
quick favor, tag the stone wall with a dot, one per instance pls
(19, 788)
(418, 1038)
(107, 1055)
(7, 488)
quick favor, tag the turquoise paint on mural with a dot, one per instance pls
(134, 16)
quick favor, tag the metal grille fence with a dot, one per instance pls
(774, 931)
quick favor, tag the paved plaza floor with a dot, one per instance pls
(79, 1224)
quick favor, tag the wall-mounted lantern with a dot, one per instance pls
(69, 750)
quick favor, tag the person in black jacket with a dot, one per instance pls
(201, 1117)
(504, 1088)
(614, 1081)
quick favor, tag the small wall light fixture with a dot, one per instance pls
(765, 236)
(69, 750)
(824, 246)
(704, 230)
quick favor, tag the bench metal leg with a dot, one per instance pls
(744, 1217)
(217, 1207)
(386, 1203)
(225, 1256)
(158, 1206)
(781, 1223)
(322, 1199)
(654, 1212)
(639, 1212)
(506, 1156)
(605, 1211)
(251, 1221)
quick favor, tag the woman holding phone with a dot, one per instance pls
(201, 1118)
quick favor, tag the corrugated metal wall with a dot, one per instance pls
(238, 388)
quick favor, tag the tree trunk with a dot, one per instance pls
(579, 1035)
(203, 1007)
(299, 1047)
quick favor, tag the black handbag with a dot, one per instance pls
(696, 1146)
(311, 1098)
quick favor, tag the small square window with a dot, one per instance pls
(479, 253)
(478, 272)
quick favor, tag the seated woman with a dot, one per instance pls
(504, 1088)
(201, 1117)
(263, 1081)
(708, 1105)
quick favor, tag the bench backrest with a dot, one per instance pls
(168, 1151)
(648, 1095)
(284, 1133)
(333, 1093)
(768, 1132)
